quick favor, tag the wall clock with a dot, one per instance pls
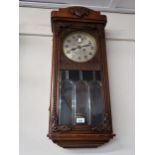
(79, 112)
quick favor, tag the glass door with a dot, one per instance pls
(81, 100)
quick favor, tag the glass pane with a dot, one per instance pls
(66, 102)
(98, 75)
(87, 75)
(96, 103)
(74, 75)
(82, 103)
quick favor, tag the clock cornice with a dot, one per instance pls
(79, 14)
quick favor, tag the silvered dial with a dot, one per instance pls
(79, 46)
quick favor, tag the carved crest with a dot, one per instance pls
(79, 11)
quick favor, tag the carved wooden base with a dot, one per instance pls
(73, 140)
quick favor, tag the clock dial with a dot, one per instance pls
(79, 46)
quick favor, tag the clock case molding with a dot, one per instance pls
(65, 21)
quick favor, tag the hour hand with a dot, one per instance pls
(73, 49)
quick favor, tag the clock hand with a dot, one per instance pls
(78, 47)
(73, 49)
(85, 45)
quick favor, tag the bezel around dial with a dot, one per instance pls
(79, 46)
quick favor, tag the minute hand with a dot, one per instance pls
(72, 49)
(85, 45)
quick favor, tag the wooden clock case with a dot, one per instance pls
(65, 21)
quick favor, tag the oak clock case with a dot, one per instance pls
(79, 112)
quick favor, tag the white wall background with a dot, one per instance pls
(35, 66)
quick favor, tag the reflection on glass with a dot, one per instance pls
(66, 100)
(96, 101)
(82, 102)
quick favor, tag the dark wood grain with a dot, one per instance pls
(65, 21)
